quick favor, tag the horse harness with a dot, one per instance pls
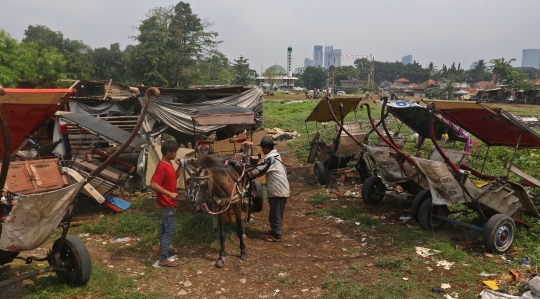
(238, 192)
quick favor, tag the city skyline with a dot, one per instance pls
(445, 40)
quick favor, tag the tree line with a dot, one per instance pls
(498, 70)
(175, 48)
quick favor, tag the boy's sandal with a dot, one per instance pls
(272, 239)
(167, 263)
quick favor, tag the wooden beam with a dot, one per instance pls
(522, 174)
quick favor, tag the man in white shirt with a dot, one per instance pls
(277, 186)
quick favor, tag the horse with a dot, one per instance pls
(223, 187)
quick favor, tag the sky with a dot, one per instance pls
(438, 31)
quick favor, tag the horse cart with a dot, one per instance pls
(347, 145)
(220, 184)
(499, 200)
(38, 195)
(396, 168)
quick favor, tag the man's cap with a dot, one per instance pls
(266, 140)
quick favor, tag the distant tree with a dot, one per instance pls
(41, 66)
(362, 64)
(44, 36)
(299, 83)
(505, 72)
(314, 77)
(112, 63)
(480, 72)
(214, 70)
(345, 73)
(242, 72)
(171, 42)
(448, 90)
(9, 62)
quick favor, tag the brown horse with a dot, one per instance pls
(219, 187)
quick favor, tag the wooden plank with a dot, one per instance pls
(522, 174)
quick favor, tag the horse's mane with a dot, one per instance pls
(207, 161)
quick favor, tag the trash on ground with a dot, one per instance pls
(492, 284)
(445, 286)
(405, 218)
(490, 294)
(534, 293)
(337, 220)
(484, 274)
(120, 240)
(444, 264)
(425, 252)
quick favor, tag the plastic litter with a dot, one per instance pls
(484, 274)
(120, 240)
(405, 218)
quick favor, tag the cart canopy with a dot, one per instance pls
(28, 109)
(223, 115)
(321, 113)
(101, 128)
(417, 117)
(494, 126)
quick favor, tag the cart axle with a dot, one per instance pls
(463, 224)
(28, 275)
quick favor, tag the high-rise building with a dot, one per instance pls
(407, 59)
(337, 57)
(308, 62)
(531, 58)
(317, 56)
(289, 60)
(328, 56)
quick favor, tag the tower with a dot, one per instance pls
(289, 61)
(328, 56)
(317, 56)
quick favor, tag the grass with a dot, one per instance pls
(103, 284)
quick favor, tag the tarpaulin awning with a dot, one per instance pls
(101, 128)
(321, 113)
(178, 115)
(494, 126)
(28, 109)
(418, 119)
(223, 115)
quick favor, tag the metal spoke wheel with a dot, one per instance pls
(499, 233)
(76, 260)
(427, 213)
(373, 190)
(320, 173)
(417, 202)
(363, 168)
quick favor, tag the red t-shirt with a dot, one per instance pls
(165, 176)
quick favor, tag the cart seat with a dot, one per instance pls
(457, 157)
(347, 146)
(354, 127)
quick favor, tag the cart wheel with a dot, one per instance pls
(258, 199)
(426, 213)
(499, 233)
(373, 190)
(363, 168)
(320, 173)
(76, 260)
(417, 202)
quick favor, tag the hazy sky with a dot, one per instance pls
(438, 31)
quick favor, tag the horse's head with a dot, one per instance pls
(199, 187)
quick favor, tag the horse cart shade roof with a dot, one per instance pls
(28, 109)
(223, 115)
(321, 113)
(418, 118)
(101, 128)
(494, 126)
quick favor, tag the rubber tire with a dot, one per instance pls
(497, 224)
(320, 173)
(417, 202)
(257, 205)
(371, 185)
(362, 167)
(425, 212)
(76, 259)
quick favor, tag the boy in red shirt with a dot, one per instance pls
(164, 184)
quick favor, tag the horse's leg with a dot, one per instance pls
(222, 217)
(240, 229)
